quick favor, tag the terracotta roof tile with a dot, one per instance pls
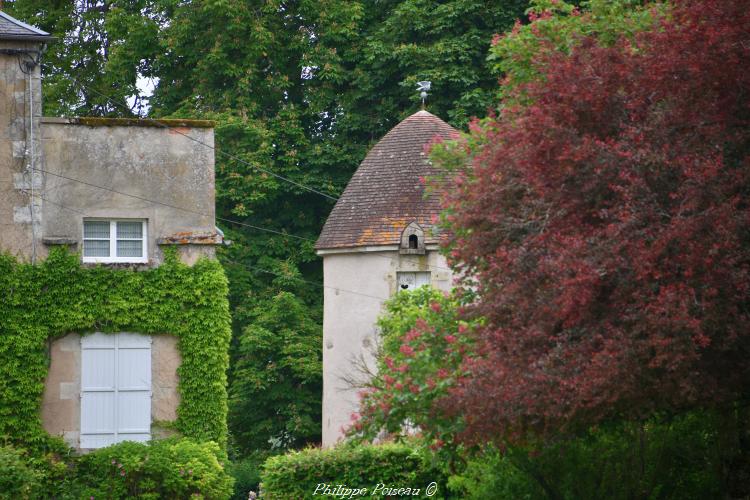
(386, 194)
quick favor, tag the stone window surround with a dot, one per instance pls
(60, 409)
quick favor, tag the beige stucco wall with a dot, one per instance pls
(349, 330)
(160, 168)
(170, 176)
(61, 403)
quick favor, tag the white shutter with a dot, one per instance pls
(115, 389)
(422, 278)
(412, 280)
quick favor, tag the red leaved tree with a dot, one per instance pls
(607, 227)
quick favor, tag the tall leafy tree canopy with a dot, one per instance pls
(605, 221)
(299, 88)
(103, 47)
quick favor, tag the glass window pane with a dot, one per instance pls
(130, 230)
(96, 229)
(129, 248)
(95, 248)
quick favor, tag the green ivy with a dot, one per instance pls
(41, 302)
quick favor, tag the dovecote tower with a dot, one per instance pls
(379, 239)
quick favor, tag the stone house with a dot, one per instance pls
(380, 238)
(113, 190)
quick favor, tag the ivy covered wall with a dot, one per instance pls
(39, 303)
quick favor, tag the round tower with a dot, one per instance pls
(379, 239)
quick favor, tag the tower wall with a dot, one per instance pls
(357, 284)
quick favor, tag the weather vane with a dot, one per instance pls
(423, 87)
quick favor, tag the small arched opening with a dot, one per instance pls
(413, 241)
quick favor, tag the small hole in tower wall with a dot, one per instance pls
(413, 241)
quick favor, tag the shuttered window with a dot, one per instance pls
(410, 281)
(115, 389)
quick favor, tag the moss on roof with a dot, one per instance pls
(386, 192)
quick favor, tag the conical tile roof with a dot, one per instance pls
(386, 192)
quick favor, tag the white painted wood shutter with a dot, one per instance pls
(412, 280)
(115, 388)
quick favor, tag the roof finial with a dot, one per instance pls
(423, 87)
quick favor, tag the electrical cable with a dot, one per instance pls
(137, 197)
(31, 163)
(229, 221)
(173, 129)
(198, 141)
(243, 265)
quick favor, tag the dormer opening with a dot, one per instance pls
(412, 239)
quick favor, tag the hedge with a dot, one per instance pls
(17, 478)
(171, 468)
(352, 471)
(175, 468)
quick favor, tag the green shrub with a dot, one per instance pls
(171, 468)
(677, 458)
(375, 467)
(54, 462)
(423, 347)
(246, 474)
(17, 478)
(492, 474)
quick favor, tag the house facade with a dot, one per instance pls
(118, 192)
(379, 239)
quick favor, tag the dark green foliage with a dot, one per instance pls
(297, 474)
(246, 474)
(101, 46)
(171, 468)
(17, 478)
(681, 458)
(276, 385)
(303, 89)
(299, 88)
(60, 296)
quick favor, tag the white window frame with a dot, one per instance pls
(113, 258)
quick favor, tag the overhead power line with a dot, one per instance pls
(253, 268)
(231, 221)
(223, 153)
(196, 212)
(137, 197)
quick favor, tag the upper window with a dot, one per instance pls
(412, 280)
(114, 240)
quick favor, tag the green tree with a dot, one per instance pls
(302, 89)
(275, 394)
(102, 49)
(560, 26)
(298, 88)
